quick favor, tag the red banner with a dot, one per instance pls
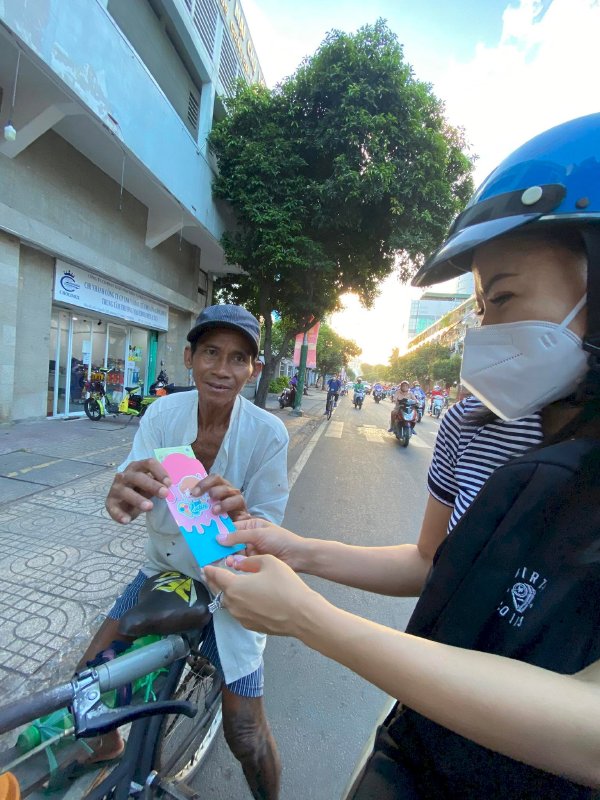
(312, 336)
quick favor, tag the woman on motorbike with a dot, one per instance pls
(403, 393)
(505, 727)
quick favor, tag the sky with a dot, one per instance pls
(505, 71)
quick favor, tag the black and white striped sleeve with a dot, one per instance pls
(441, 478)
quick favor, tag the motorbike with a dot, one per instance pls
(161, 385)
(377, 395)
(288, 397)
(437, 406)
(420, 409)
(358, 399)
(97, 404)
(405, 421)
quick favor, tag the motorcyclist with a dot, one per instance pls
(435, 392)
(403, 393)
(419, 393)
(334, 385)
(359, 388)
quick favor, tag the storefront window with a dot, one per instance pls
(137, 357)
(79, 347)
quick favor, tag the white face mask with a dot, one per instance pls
(517, 368)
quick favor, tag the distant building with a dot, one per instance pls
(109, 236)
(465, 284)
(430, 308)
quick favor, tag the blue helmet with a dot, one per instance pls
(552, 179)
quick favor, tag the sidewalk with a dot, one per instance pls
(63, 559)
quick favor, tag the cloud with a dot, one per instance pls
(542, 72)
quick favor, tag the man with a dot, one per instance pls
(359, 388)
(435, 392)
(244, 448)
(334, 385)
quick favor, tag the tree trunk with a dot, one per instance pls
(268, 373)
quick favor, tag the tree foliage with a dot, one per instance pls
(331, 174)
(374, 372)
(427, 364)
(333, 351)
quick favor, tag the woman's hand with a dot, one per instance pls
(266, 596)
(265, 538)
(132, 489)
(225, 497)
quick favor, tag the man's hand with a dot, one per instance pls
(132, 489)
(264, 538)
(266, 596)
(225, 497)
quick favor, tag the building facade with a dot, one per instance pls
(109, 236)
(431, 307)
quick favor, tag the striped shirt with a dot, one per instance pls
(465, 454)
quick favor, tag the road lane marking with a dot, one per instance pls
(335, 430)
(294, 473)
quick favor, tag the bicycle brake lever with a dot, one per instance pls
(95, 723)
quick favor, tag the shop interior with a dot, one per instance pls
(81, 342)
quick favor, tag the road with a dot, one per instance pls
(361, 487)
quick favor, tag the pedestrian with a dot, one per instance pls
(244, 448)
(498, 679)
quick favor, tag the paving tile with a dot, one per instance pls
(44, 634)
(13, 490)
(130, 547)
(64, 573)
(77, 497)
(20, 460)
(37, 520)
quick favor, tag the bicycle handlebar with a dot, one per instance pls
(34, 706)
(111, 675)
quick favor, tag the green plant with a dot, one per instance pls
(277, 385)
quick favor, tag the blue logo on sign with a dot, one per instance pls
(68, 282)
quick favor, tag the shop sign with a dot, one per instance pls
(78, 287)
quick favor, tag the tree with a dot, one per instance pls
(447, 370)
(418, 364)
(329, 175)
(333, 351)
(374, 372)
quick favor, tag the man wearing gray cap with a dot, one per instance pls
(244, 449)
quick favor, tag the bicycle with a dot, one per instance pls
(330, 405)
(96, 404)
(168, 739)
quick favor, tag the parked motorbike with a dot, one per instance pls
(161, 385)
(288, 397)
(405, 420)
(97, 404)
(377, 395)
(358, 399)
(437, 406)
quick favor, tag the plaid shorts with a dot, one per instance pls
(251, 685)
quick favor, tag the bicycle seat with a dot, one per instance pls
(168, 603)
(105, 370)
(132, 388)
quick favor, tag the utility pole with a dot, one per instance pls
(297, 412)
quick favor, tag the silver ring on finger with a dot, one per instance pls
(216, 604)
